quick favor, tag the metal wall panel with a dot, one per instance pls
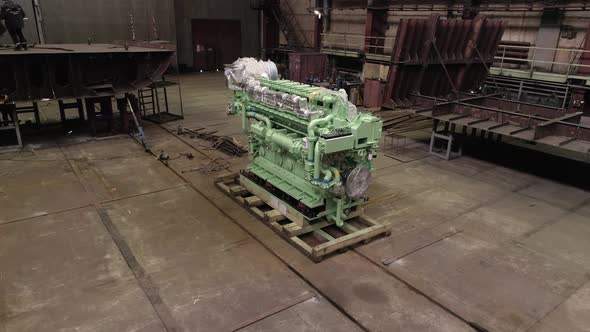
(374, 93)
(303, 65)
(436, 56)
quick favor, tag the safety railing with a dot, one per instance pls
(565, 61)
(350, 44)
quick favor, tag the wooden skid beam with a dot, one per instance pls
(293, 232)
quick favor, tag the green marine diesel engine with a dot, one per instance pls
(311, 150)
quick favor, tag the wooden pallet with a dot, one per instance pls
(316, 240)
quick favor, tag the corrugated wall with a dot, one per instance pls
(74, 21)
(521, 26)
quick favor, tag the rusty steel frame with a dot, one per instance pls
(438, 56)
(484, 6)
(546, 125)
(375, 30)
(78, 71)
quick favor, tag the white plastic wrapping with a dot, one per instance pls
(357, 182)
(352, 111)
(244, 75)
(246, 69)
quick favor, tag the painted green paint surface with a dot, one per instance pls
(308, 150)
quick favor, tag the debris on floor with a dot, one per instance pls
(225, 144)
(165, 158)
(213, 166)
(403, 121)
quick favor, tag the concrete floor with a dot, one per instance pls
(100, 236)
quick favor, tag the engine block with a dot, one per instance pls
(311, 150)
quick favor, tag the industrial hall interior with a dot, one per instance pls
(294, 165)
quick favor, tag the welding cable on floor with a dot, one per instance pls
(141, 134)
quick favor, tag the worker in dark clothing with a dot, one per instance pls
(14, 19)
(7, 110)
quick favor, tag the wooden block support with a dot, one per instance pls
(274, 216)
(238, 190)
(292, 231)
(254, 201)
(229, 177)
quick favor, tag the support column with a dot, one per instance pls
(376, 27)
(318, 25)
(471, 9)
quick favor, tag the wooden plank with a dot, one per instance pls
(257, 212)
(348, 228)
(276, 226)
(269, 199)
(310, 228)
(224, 188)
(347, 240)
(324, 235)
(297, 241)
(223, 178)
(291, 227)
(368, 221)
